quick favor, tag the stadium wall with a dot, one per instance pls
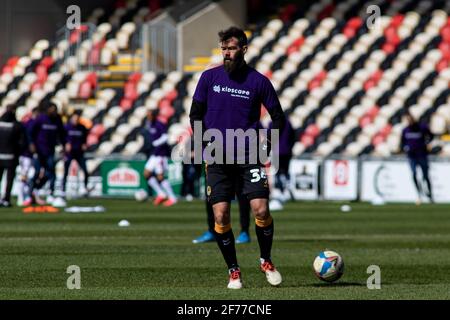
(46, 16)
(196, 40)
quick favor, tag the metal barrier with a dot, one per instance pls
(72, 50)
(159, 47)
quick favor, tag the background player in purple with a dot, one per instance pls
(26, 162)
(415, 139)
(158, 151)
(46, 133)
(76, 136)
(230, 97)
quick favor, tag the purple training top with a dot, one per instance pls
(234, 102)
(415, 139)
(287, 139)
(157, 132)
(76, 135)
(46, 133)
(28, 125)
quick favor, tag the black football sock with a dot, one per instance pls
(244, 213)
(210, 216)
(227, 247)
(265, 239)
(416, 183)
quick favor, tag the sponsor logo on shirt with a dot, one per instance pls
(73, 133)
(49, 127)
(413, 135)
(239, 93)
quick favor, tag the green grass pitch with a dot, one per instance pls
(155, 259)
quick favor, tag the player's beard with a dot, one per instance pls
(231, 65)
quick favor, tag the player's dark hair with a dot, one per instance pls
(11, 108)
(10, 113)
(234, 32)
(77, 112)
(155, 113)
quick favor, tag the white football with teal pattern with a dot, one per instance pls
(328, 266)
(141, 195)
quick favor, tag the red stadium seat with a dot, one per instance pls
(36, 85)
(295, 46)
(166, 111)
(377, 139)
(92, 79)
(373, 112)
(397, 20)
(377, 75)
(349, 32)
(126, 104)
(172, 95)
(390, 32)
(354, 23)
(135, 77)
(7, 69)
(269, 73)
(84, 28)
(165, 103)
(313, 84)
(98, 130)
(10, 64)
(47, 62)
(312, 130)
(364, 121)
(326, 12)
(441, 65)
(120, 4)
(321, 75)
(94, 56)
(307, 140)
(74, 36)
(386, 130)
(13, 61)
(91, 140)
(41, 72)
(369, 84)
(287, 12)
(130, 91)
(388, 48)
(445, 49)
(85, 90)
(445, 33)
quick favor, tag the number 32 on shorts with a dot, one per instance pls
(257, 175)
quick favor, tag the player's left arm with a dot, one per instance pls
(163, 138)
(273, 106)
(61, 131)
(428, 134)
(84, 141)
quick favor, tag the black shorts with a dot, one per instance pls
(226, 180)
